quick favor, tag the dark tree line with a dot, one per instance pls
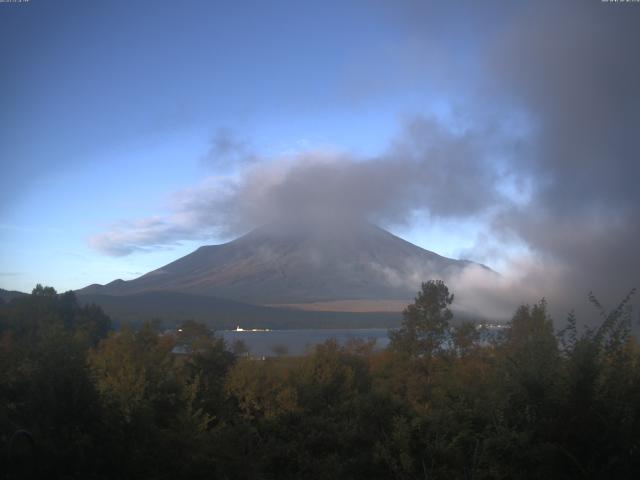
(79, 400)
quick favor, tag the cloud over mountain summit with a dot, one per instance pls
(429, 167)
(538, 144)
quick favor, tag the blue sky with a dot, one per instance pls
(509, 129)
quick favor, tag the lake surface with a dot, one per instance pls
(297, 342)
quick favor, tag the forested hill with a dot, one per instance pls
(7, 295)
(78, 400)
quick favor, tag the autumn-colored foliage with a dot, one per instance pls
(79, 400)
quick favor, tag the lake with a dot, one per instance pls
(297, 342)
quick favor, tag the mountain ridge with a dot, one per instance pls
(289, 264)
(8, 295)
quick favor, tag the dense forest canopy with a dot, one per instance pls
(81, 400)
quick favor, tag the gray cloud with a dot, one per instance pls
(567, 74)
(227, 149)
(147, 234)
(430, 167)
(574, 68)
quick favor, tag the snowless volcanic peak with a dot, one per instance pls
(286, 263)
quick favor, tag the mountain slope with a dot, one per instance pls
(172, 308)
(285, 264)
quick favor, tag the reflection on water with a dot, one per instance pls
(297, 342)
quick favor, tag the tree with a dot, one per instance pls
(41, 291)
(151, 405)
(46, 388)
(426, 321)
